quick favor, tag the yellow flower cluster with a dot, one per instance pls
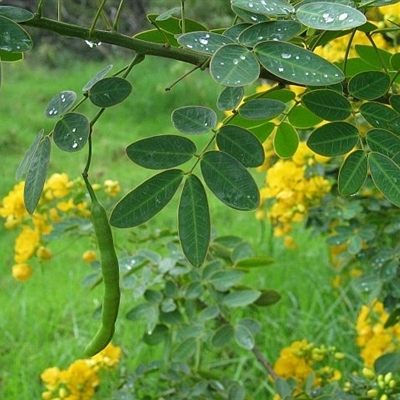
(301, 359)
(372, 337)
(290, 190)
(80, 380)
(61, 198)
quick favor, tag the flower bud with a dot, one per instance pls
(21, 272)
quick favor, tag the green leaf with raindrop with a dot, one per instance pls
(230, 98)
(329, 16)
(71, 132)
(148, 199)
(286, 140)
(270, 30)
(241, 144)
(194, 120)
(12, 37)
(383, 141)
(194, 224)
(327, 104)
(234, 65)
(249, 16)
(261, 108)
(333, 139)
(229, 180)
(353, 173)
(377, 114)
(203, 42)
(271, 8)
(369, 85)
(294, 64)
(36, 175)
(161, 152)
(386, 176)
(60, 104)
(234, 31)
(108, 92)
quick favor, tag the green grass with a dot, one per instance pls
(47, 321)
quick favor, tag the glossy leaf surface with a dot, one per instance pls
(203, 42)
(301, 117)
(386, 176)
(261, 108)
(234, 65)
(369, 85)
(194, 120)
(108, 92)
(241, 144)
(71, 132)
(297, 65)
(329, 16)
(230, 98)
(161, 152)
(194, 221)
(29, 155)
(16, 14)
(353, 173)
(383, 141)
(60, 104)
(327, 104)
(100, 75)
(12, 37)
(145, 201)
(36, 175)
(333, 139)
(229, 180)
(241, 298)
(270, 8)
(377, 114)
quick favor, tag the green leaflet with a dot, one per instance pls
(71, 132)
(194, 120)
(353, 173)
(146, 200)
(60, 104)
(194, 224)
(161, 152)
(108, 92)
(229, 180)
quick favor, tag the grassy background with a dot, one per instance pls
(46, 321)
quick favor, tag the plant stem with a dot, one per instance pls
(264, 362)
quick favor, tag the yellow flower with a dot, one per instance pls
(13, 206)
(21, 272)
(26, 244)
(51, 377)
(43, 253)
(112, 188)
(109, 357)
(89, 256)
(57, 186)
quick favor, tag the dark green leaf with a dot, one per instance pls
(168, 14)
(254, 262)
(185, 350)
(7, 56)
(249, 16)
(395, 99)
(241, 251)
(146, 200)
(29, 155)
(353, 173)
(270, 30)
(222, 336)
(329, 16)
(36, 175)
(108, 92)
(224, 280)
(235, 30)
(297, 65)
(243, 337)
(158, 335)
(230, 98)
(286, 140)
(383, 141)
(194, 221)
(377, 114)
(327, 104)
(275, 8)
(374, 56)
(161, 152)
(194, 120)
(394, 318)
(261, 108)
(71, 132)
(241, 144)
(13, 37)
(100, 75)
(15, 13)
(209, 313)
(229, 180)
(369, 85)
(333, 139)
(241, 298)
(395, 61)
(203, 42)
(386, 176)
(234, 65)
(157, 36)
(268, 298)
(60, 104)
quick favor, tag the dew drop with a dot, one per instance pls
(92, 44)
(74, 144)
(327, 17)
(203, 40)
(343, 16)
(189, 46)
(286, 56)
(281, 69)
(73, 130)
(242, 57)
(235, 61)
(251, 5)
